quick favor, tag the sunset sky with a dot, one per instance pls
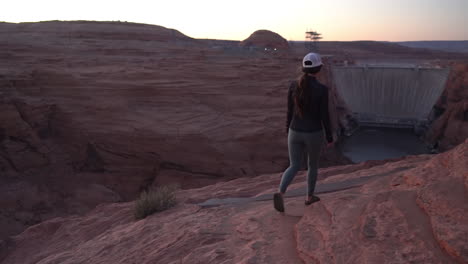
(396, 20)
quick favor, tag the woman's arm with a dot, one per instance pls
(290, 106)
(325, 116)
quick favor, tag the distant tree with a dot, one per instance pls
(312, 38)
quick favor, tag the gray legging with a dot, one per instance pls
(297, 142)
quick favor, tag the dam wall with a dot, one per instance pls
(390, 95)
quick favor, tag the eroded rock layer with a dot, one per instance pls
(410, 211)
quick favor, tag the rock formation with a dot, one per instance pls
(451, 125)
(265, 39)
(96, 112)
(399, 212)
(37, 180)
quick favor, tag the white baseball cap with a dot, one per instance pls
(311, 60)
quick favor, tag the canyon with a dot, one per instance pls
(93, 113)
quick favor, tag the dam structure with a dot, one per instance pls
(390, 95)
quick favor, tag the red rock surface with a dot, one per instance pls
(410, 211)
(96, 112)
(265, 39)
(451, 128)
(36, 181)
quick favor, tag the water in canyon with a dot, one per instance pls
(371, 143)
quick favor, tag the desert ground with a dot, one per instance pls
(93, 113)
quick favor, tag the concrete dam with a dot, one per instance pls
(390, 96)
(390, 104)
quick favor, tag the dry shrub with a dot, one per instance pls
(155, 200)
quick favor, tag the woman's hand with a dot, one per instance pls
(330, 141)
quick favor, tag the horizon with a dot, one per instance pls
(336, 20)
(131, 22)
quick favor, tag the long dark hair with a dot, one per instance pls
(303, 92)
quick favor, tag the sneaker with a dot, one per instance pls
(312, 199)
(278, 202)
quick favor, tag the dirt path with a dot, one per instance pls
(265, 235)
(321, 189)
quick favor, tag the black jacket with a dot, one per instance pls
(315, 116)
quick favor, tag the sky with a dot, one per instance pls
(343, 20)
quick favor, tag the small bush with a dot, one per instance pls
(155, 200)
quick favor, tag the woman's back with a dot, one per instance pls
(314, 115)
(307, 117)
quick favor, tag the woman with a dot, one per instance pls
(307, 118)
